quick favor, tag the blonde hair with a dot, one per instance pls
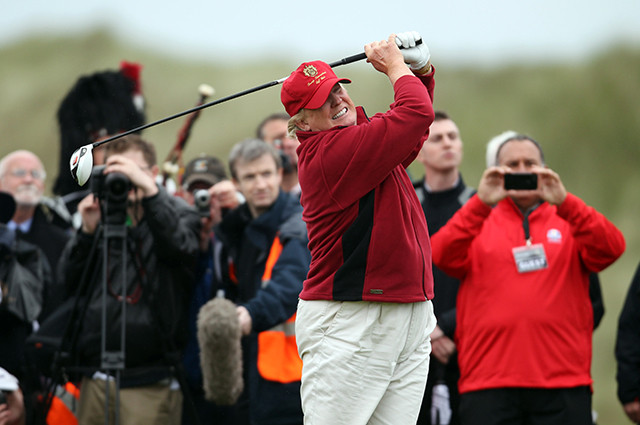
(292, 124)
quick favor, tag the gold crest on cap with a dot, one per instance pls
(310, 71)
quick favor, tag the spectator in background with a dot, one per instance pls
(266, 240)
(12, 410)
(595, 292)
(205, 173)
(161, 249)
(37, 219)
(273, 130)
(628, 351)
(524, 317)
(442, 192)
(24, 273)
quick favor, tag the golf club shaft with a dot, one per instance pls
(358, 57)
(344, 61)
(188, 111)
(348, 60)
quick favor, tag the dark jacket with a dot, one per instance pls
(628, 344)
(438, 208)
(50, 234)
(160, 257)
(36, 276)
(270, 303)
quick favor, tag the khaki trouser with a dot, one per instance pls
(148, 405)
(363, 362)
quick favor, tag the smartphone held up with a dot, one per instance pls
(521, 181)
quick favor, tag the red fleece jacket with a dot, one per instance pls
(528, 329)
(367, 232)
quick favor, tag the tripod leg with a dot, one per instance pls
(68, 341)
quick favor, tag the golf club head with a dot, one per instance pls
(81, 164)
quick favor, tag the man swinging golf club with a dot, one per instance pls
(364, 315)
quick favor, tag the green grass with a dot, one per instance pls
(585, 115)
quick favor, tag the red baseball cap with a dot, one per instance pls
(308, 87)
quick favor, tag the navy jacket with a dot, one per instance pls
(248, 242)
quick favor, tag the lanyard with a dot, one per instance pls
(525, 226)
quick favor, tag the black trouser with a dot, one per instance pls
(527, 406)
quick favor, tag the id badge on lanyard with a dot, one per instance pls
(530, 257)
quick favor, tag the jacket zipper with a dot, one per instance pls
(404, 188)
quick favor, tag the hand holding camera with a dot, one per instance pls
(211, 204)
(499, 182)
(136, 171)
(226, 194)
(550, 186)
(496, 184)
(110, 186)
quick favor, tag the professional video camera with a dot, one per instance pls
(113, 190)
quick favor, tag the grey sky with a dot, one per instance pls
(463, 31)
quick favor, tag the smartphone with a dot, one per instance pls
(521, 181)
(3, 397)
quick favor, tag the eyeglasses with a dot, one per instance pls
(22, 173)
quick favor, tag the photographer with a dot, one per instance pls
(524, 320)
(161, 247)
(205, 186)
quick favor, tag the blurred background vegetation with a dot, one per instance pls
(586, 115)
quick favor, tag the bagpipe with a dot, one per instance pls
(173, 165)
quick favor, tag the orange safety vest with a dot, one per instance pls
(63, 405)
(278, 358)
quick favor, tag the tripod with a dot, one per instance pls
(113, 234)
(113, 361)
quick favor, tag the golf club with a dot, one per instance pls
(81, 162)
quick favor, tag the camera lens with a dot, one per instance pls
(118, 186)
(201, 199)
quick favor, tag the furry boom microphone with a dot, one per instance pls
(220, 351)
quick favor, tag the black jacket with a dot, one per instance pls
(50, 235)
(13, 329)
(628, 344)
(160, 257)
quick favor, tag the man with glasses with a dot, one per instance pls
(161, 250)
